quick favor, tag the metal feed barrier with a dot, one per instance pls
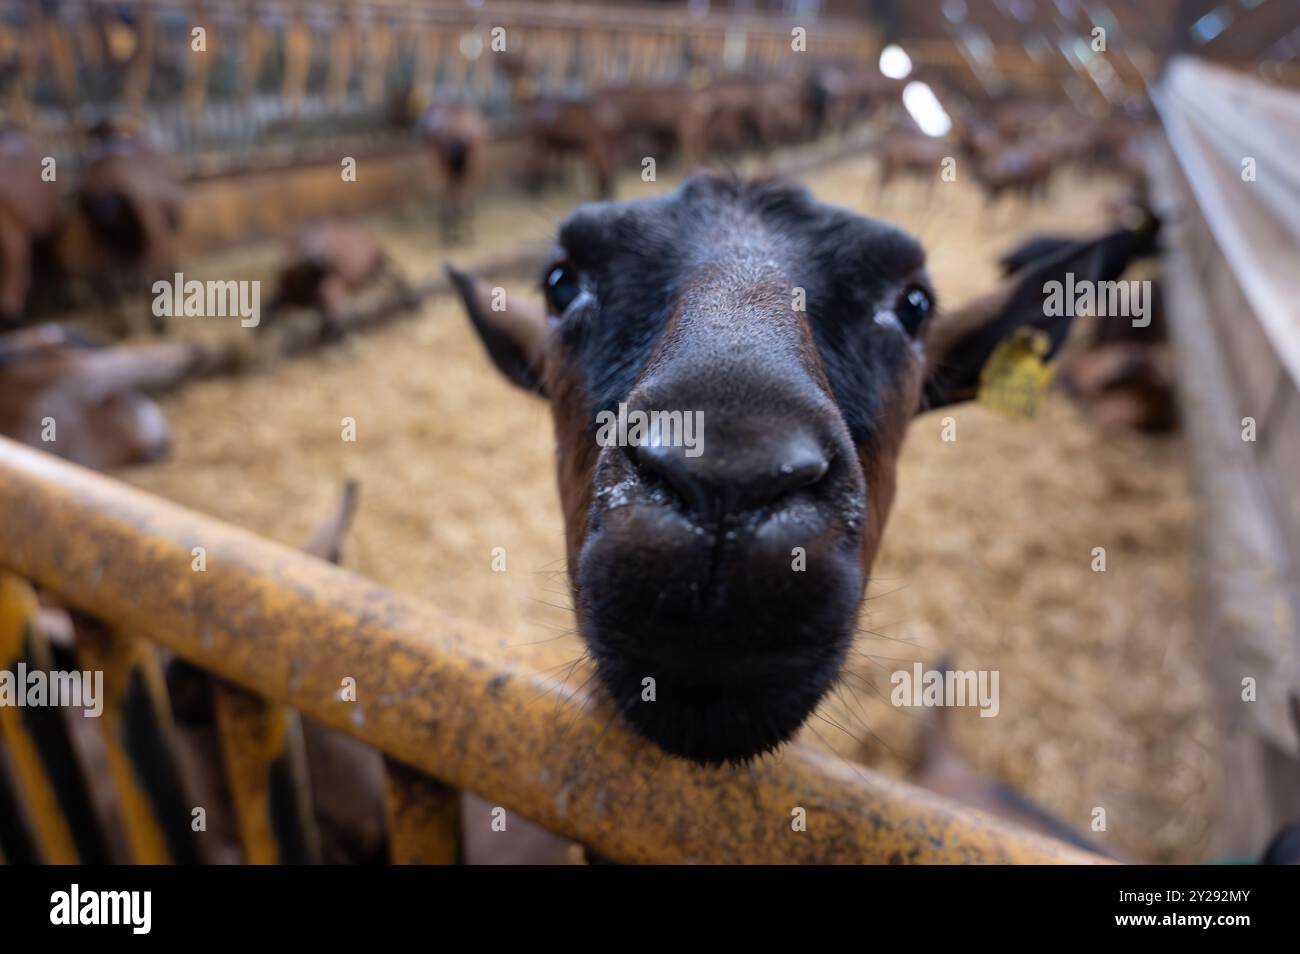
(283, 82)
(276, 627)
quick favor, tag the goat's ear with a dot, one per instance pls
(960, 342)
(514, 333)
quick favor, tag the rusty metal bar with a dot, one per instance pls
(423, 817)
(266, 769)
(137, 730)
(435, 697)
(48, 777)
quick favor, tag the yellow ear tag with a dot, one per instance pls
(1016, 375)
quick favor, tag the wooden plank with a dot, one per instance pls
(1280, 451)
(1236, 215)
(1252, 362)
(1249, 604)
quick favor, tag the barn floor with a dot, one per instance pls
(987, 557)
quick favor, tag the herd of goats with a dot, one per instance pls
(1013, 148)
(118, 230)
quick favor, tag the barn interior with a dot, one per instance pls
(1122, 552)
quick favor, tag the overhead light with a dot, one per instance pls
(925, 109)
(894, 62)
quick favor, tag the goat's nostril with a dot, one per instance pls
(734, 479)
(682, 475)
(803, 470)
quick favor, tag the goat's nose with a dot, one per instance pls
(737, 476)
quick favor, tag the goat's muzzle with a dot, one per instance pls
(718, 583)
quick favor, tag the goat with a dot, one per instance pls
(590, 128)
(457, 134)
(1116, 372)
(838, 95)
(129, 211)
(30, 216)
(325, 266)
(90, 404)
(664, 120)
(781, 112)
(912, 155)
(806, 338)
(1023, 169)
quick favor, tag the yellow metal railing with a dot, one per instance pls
(279, 629)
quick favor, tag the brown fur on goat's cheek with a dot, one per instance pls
(575, 452)
(880, 463)
(812, 359)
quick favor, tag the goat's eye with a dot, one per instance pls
(912, 309)
(562, 287)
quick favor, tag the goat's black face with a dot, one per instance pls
(718, 567)
(784, 344)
